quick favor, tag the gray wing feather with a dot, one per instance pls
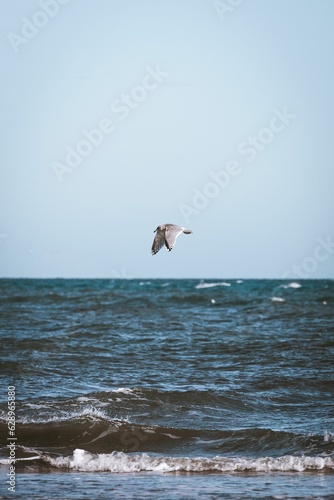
(158, 242)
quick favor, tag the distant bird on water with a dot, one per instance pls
(166, 235)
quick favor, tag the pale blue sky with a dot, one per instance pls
(183, 95)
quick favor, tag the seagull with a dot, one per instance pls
(166, 235)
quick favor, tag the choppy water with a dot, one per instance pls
(169, 389)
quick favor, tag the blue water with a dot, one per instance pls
(169, 388)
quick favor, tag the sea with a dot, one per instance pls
(166, 389)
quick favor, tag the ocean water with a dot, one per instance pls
(168, 388)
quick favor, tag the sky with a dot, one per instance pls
(121, 115)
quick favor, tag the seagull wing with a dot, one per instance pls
(172, 232)
(158, 241)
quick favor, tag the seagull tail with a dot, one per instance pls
(187, 231)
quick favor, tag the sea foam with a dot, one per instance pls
(122, 462)
(211, 285)
(277, 299)
(292, 285)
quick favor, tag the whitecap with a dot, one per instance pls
(293, 284)
(277, 299)
(35, 406)
(90, 411)
(124, 390)
(123, 462)
(211, 285)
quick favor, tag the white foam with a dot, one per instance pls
(122, 462)
(211, 285)
(36, 406)
(277, 299)
(128, 391)
(171, 435)
(25, 459)
(123, 390)
(292, 285)
(90, 411)
(329, 437)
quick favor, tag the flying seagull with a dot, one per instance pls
(166, 235)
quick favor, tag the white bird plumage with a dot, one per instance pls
(166, 234)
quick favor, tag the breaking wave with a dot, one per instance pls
(81, 460)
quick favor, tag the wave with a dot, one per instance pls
(293, 284)
(148, 420)
(277, 299)
(211, 285)
(120, 462)
(98, 434)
